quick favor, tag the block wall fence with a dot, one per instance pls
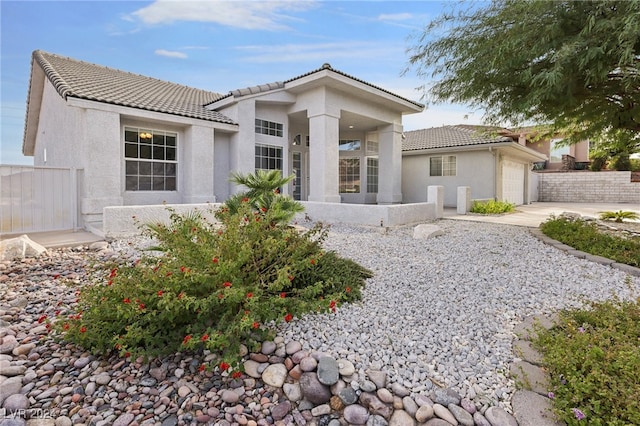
(588, 187)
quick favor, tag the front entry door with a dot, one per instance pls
(300, 183)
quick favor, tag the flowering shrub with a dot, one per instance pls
(212, 286)
(593, 357)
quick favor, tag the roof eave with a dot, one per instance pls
(34, 103)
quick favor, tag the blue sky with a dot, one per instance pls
(217, 46)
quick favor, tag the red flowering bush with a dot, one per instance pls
(212, 286)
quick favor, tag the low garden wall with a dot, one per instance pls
(123, 221)
(588, 187)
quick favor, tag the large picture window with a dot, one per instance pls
(270, 128)
(349, 175)
(268, 157)
(442, 166)
(349, 144)
(151, 160)
(558, 149)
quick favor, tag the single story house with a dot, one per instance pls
(492, 165)
(141, 141)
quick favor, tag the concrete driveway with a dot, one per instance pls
(532, 215)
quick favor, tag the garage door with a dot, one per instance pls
(513, 182)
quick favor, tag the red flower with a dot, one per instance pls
(283, 295)
(204, 338)
(180, 296)
(236, 374)
(202, 368)
(118, 346)
(245, 199)
(109, 282)
(288, 317)
(141, 306)
(182, 269)
(220, 296)
(348, 289)
(249, 295)
(264, 209)
(41, 319)
(127, 354)
(160, 293)
(226, 284)
(169, 274)
(313, 261)
(220, 232)
(83, 329)
(113, 273)
(65, 326)
(186, 339)
(194, 229)
(332, 305)
(290, 277)
(214, 260)
(255, 324)
(126, 300)
(224, 366)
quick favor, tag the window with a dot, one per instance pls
(270, 128)
(150, 159)
(372, 175)
(372, 147)
(349, 144)
(557, 150)
(442, 166)
(268, 157)
(349, 175)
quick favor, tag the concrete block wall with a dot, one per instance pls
(588, 187)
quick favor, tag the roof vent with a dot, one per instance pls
(326, 66)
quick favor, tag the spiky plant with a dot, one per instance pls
(619, 216)
(264, 194)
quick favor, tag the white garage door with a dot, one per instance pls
(513, 182)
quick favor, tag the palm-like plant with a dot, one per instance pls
(619, 216)
(264, 194)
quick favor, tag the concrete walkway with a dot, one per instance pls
(532, 215)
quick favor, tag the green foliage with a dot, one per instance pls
(492, 207)
(635, 164)
(616, 145)
(584, 236)
(619, 216)
(593, 358)
(573, 64)
(212, 286)
(598, 164)
(264, 193)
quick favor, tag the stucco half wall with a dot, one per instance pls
(124, 221)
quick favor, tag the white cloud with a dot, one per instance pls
(170, 54)
(251, 15)
(395, 17)
(321, 52)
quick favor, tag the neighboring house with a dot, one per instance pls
(550, 146)
(493, 166)
(139, 140)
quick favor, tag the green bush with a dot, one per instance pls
(635, 164)
(212, 286)
(593, 359)
(492, 207)
(598, 163)
(621, 162)
(584, 236)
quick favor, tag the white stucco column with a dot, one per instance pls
(197, 165)
(390, 164)
(102, 175)
(323, 157)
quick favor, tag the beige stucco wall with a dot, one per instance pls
(474, 168)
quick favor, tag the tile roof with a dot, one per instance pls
(451, 136)
(83, 80)
(281, 84)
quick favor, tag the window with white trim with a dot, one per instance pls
(268, 157)
(270, 128)
(444, 165)
(372, 175)
(151, 161)
(349, 175)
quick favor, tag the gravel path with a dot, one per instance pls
(444, 308)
